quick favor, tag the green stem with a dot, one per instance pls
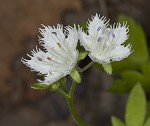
(72, 89)
(61, 92)
(79, 69)
(69, 97)
(87, 66)
(75, 117)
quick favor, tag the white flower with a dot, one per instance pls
(60, 55)
(105, 44)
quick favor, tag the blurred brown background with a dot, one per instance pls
(19, 22)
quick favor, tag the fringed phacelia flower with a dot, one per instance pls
(105, 44)
(59, 56)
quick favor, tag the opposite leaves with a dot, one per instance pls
(136, 107)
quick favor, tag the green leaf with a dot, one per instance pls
(118, 86)
(39, 86)
(84, 26)
(82, 55)
(62, 83)
(116, 122)
(148, 110)
(42, 86)
(132, 77)
(125, 64)
(107, 68)
(137, 39)
(54, 86)
(136, 107)
(146, 69)
(147, 123)
(129, 79)
(62, 80)
(75, 75)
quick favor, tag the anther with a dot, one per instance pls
(99, 39)
(39, 58)
(49, 58)
(59, 45)
(99, 28)
(54, 33)
(113, 35)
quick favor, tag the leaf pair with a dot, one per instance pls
(52, 87)
(135, 110)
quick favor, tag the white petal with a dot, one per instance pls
(97, 26)
(36, 63)
(118, 33)
(59, 57)
(86, 40)
(115, 53)
(51, 36)
(51, 78)
(102, 59)
(121, 52)
(72, 38)
(54, 76)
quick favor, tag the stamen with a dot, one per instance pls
(113, 35)
(99, 39)
(49, 58)
(39, 58)
(54, 33)
(59, 45)
(57, 38)
(99, 28)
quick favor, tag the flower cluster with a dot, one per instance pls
(60, 55)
